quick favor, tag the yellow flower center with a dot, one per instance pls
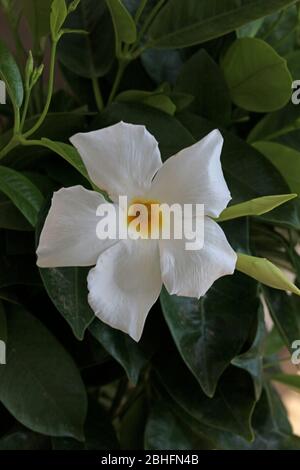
(145, 218)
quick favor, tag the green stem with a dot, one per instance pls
(121, 68)
(49, 95)
(10, 146)
(97, 94)
(25, 109)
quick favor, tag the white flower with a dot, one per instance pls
(124, 159)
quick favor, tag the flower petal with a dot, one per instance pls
(191, 273)
(69, 235)
(120, 159)
(125, 284)
(195, 176)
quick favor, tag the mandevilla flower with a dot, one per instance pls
(124, 160)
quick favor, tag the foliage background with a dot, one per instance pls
(202, 375)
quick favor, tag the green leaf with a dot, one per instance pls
(182, 24)
(265, 272)
(59, 13)
(284, 36)
(91, 55)
(232, 405)
(122, 348)
(252, 359)
(125, 28)
(154, 99)
(10, 74)
(165, 430)
(133, 424)
(254, 207)
(285, 159)
(40, 384)
(249, 67)
(271, 428)
(198, 77)
(292, 381)
(276, 125)
(24, 439)
(67, 288)
(68, 153)
(22, 192)
(98, 430)
(202, 328)
(250, 30)
(10, 217)
(285, 314)
(37, 14)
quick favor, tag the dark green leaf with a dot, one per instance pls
(252, 359)
(10, 74)
(37, 14)
(22, 192)
(165, 430)
(198, 77)
(98, 430)
(89, 55)
(40, 384)
(202, 329)
(24, 439)
(232, 405)
(181, 24)
(285, 315)
(123, 349)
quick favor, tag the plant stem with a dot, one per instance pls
(49, 95)
(97, 94)
(25, 109)
(121, 67)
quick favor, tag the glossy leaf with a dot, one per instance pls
(122, 348)
(202, 329)
(234, 395)
(181, 24)
(68, 152)
(249, 67)
(285, 159)
(284, 311)
(125, 29)
(98, 430)
(22, 192)
(10, 74)
(252, 359)
(89, 55)
(198, 77)
(40, 384)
